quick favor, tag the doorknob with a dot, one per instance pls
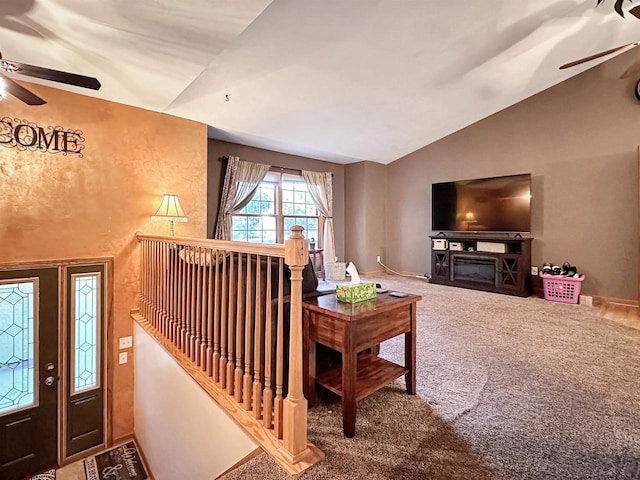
(49, 381)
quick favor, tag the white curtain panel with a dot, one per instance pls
(320, 188)
(240, 184)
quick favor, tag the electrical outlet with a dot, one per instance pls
(534, 270)
(126, 342)
(122, 358)
(378, 259)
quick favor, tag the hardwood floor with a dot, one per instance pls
(628, 315)
(73, 471)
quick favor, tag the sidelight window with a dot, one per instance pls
(85, 333)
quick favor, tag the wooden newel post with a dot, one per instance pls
(295, 405)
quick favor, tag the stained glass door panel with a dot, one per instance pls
(18, 324)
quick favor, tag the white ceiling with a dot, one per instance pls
(337, 80)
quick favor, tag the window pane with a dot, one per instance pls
(269, 223)
(288, 223)
(254, 228)
(288, 208)
(238, 223)
(239, 236)
(254, 236)
(263, 202)
(252, 207)
(310, 225)
(297, 200)
(18, 324)
(254, 223)
(85, 335)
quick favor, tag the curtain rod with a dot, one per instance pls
(274, 167)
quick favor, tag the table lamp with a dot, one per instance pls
(170, 211)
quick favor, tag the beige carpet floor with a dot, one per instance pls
(507, 388)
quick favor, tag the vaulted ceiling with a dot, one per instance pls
(337, 80)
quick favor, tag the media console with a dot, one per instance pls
(500, 264)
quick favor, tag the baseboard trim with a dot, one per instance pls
(598, 300)
(373, 273)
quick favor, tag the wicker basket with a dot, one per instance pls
(335, 271)
(561, 289)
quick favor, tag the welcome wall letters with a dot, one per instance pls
(26, 135)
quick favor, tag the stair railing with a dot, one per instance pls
(221, 306)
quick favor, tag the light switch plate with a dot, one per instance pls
(126, 342)
(122, 358)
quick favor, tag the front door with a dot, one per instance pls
(28, 371)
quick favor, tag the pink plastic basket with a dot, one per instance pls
(561, 289)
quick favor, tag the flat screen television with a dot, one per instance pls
(497, 204)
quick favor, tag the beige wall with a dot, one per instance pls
(365, 187)
(62, 207)
(579, 140)
(183, 432)
(219, 149)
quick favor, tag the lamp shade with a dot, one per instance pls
(170, 210)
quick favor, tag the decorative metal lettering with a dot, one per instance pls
(26, 135)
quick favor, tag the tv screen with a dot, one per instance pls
(498, 204)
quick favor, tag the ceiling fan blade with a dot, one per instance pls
(635, 11)
(55, 75)
(598, 55)
(20, 92)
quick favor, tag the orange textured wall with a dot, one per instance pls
(58, 207)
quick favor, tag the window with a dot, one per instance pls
(85, 331)
(281, 201)
(18, 327)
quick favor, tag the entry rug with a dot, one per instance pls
(48, 475)
(119, 463)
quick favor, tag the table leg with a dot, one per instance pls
(349, 371)
(410, 353)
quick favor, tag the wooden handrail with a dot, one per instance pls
(221, 304)
(267, 249)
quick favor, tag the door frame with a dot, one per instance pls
(106, 362)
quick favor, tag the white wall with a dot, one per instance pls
(183, 433)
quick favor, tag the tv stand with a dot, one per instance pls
(494, 263)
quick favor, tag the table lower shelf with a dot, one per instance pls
(373, 373)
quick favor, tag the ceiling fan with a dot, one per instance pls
(30, 98)
(635, 11)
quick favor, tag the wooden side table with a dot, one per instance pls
(314, 256)
(351, 329)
